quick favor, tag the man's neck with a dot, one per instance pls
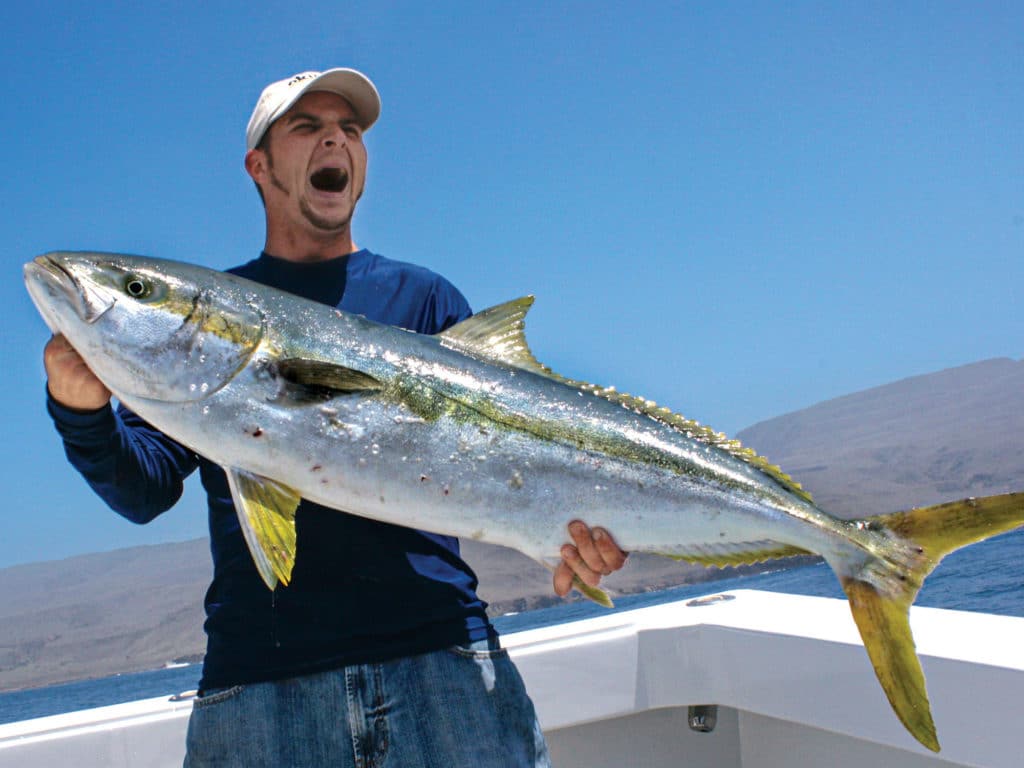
(292, 246)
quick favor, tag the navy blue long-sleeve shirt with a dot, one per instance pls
(361, 590)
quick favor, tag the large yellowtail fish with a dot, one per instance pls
(466, 434)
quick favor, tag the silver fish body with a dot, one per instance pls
(465, 434)
(479, 449)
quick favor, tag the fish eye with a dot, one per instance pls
(136, 287)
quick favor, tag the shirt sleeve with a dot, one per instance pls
(136, 469)
(447, 306)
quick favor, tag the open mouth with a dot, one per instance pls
(329, 180)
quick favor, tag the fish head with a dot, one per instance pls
(148, 328)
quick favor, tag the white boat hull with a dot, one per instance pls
(789, 675)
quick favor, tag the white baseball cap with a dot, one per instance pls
(277, 98)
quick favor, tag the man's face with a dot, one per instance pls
(312, 165)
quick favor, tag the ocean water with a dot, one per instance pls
(985, 577)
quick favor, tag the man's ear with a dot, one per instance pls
(256, 165)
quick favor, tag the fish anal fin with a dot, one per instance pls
(266, 514)
(596, 594)
(722, 556)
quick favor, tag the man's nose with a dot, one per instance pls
(334, 137)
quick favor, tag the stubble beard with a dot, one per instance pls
(330, 225)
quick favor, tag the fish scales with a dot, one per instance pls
(463, 461)
(467, 434)
(475, 396)
(469, 449)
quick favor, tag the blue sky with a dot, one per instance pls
(735, 209)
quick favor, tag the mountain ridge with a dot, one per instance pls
(914, 442)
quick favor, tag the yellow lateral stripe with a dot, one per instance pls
(499, 334)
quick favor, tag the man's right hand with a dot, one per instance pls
(69, 379)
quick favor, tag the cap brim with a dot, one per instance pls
(353, 86)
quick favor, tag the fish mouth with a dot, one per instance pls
(329, 179)
(50, 280)
(51, 267)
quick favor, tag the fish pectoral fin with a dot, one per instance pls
(266, 513)
(320, 379)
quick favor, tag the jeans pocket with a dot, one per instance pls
(217, 696)
(488, 648)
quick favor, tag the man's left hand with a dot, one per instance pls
(594, 555)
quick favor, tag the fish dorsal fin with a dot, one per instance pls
(499, 334)
(266, 513)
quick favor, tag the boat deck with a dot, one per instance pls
(788, 674)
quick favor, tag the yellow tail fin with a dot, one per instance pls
(882, 615)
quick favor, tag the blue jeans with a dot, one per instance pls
(464, 707)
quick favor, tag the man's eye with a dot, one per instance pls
(305, 127)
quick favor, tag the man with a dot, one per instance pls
(379, 651)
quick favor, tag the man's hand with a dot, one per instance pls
(595, 555)
(69, 379)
